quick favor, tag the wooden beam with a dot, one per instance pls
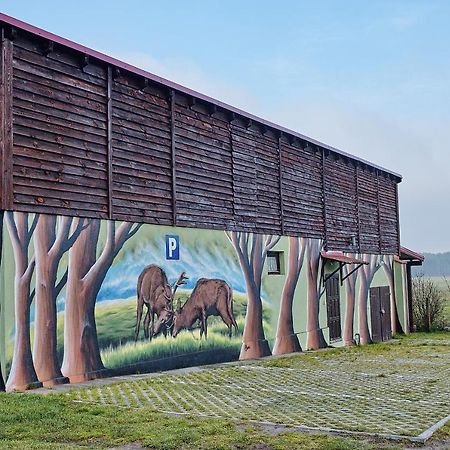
(173, 157)
(378, 210)
(6, 126)
(324, 205)
(357, 207)
(109, 149)
(397, 212)
(230, 129)
(280, 183)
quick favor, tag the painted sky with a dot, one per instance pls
(369, 77)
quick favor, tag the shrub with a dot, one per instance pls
(428, 304)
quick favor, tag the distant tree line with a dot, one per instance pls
(435, 265)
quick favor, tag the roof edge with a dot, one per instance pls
(177, 87)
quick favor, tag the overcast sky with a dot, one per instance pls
(369, 77)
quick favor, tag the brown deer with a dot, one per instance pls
(210, 297)
(155, 292)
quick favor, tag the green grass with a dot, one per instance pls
(31, 421)
(55, 421)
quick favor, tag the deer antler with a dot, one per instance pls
(181, 280)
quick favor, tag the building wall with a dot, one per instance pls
(84, 327)
(82, 137)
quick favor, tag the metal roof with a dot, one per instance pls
(13, 22)
(406, 253)
(340, 257)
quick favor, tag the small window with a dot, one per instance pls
(273, 263)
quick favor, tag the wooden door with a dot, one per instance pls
(385, 301)
(333, 307)
(380, 313)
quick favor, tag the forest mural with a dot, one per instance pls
(85, 298)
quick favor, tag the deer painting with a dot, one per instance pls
(155, 292)
(210, 297)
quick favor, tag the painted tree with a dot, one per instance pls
(52, 238)
(22, 373)
(315, 338)
(82, 359)
(366, 277)
(388, 267)
(2, 381)
(252, 251)
(350, 298)
(286, 340)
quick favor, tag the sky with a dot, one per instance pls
(369, 77)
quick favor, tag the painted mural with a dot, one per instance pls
(84, 298)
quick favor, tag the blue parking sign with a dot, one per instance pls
(172, 247)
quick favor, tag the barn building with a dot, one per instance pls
(127, 198)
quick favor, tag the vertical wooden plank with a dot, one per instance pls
(377, 173)
(6, 126)
(280, 183)
(230, 129)
(324, 206)
(173, 157)
(109, 149)
(357, 207)
(397, 213)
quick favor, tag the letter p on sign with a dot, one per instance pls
(172, 247)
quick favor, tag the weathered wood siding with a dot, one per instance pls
(88, 139)
(340, 201)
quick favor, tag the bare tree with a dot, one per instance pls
(366, 277)
(86, 274)
(388, 267)
(428, 303)
(350, 296)
(52, 239)
(286, 340)
(315, 338)
(22, 373)
(252, 250)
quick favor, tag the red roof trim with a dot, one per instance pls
(340, 257)
(409, 254)
(130, 68)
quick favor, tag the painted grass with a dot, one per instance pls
(187, 349)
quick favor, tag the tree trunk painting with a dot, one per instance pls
(366, 277)
(350, 297)
(52, 239)
(388, 267)
(2, 333)
(315, 338)
(22, 374)
(82, 359)
(286, 340)
(252, 251)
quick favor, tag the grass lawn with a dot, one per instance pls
(34, 421)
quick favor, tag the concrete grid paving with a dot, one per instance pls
(402, 391)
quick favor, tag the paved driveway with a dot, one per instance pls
(401, 389)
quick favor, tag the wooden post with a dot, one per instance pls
(109, 149)
(173, 157)
(6, 136)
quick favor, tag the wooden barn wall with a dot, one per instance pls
(341, 202)
(301, 176)
(89, 140)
